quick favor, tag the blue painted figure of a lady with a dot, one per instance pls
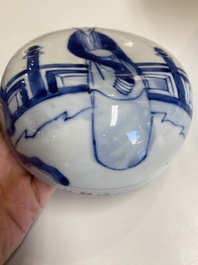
(121, 119)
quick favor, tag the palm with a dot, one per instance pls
(22, 197)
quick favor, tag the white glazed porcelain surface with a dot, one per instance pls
(95, 110)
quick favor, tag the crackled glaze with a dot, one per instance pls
(95, 110)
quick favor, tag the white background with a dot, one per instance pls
(157, 224)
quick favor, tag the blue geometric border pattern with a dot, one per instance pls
(162, 85)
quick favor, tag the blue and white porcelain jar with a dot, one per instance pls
(95, 110)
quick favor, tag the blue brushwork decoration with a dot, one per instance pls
(98, 82)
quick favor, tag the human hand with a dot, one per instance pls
(22, 198)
